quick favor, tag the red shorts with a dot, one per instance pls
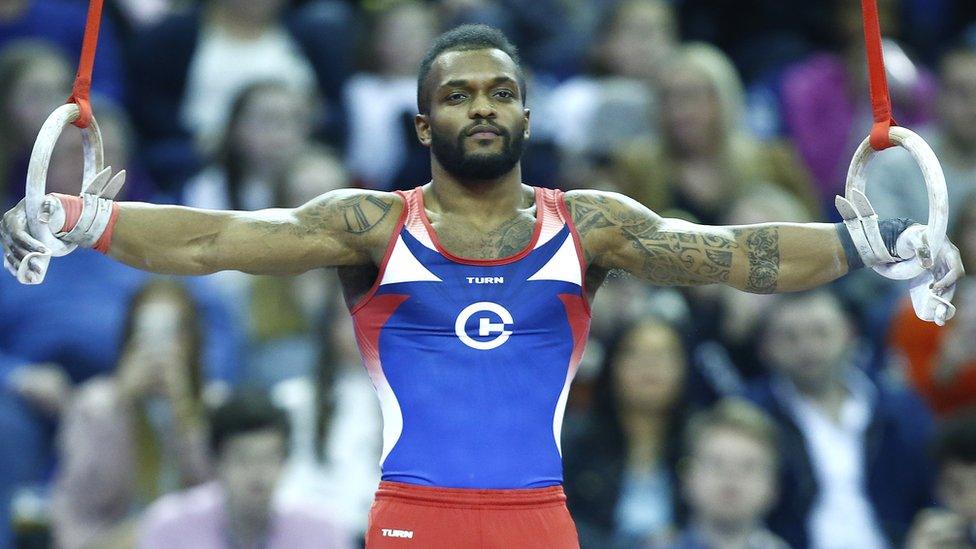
(406, 515)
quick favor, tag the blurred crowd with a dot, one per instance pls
(232, 410)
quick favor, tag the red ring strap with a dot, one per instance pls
(80, 91)
(878, 83)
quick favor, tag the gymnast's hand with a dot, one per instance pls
(17, 242)
(947, 268)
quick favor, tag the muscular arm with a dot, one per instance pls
(619, 233)
(338, 228)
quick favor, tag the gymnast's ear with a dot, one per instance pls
(421, 124)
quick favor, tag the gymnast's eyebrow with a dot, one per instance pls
(462, 83)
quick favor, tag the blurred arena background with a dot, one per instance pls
(833, 419)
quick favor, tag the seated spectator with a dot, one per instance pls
(852, 449)
(281, 314)
(188, 69)
(35, 79)
(337, 429)
(895, 183)
(61, 23)
(704, 159)
(249, 441)
(134, 16)
(48, 341)
(618, 92)
(620, 471)
(825, 105)
(381, 100)
(727, 320)
(119, 142)
(268, 125)
(940, 362)
(953, 524)
(132, 436)
(729, 480)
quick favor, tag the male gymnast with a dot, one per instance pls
(470, 294)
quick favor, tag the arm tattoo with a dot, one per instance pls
(588, 212)
(363, 212)
(356, 214)
(670, 255)
(683, 258)
(762, 245)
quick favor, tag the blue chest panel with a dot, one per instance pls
(478, 359)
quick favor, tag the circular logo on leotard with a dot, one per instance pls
(493, 320)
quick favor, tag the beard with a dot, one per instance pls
(477, 166)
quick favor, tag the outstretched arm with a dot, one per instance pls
(620, 233)
(331, 230)
(342, 227)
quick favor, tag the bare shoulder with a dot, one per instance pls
(591, 209)
(358, 214)
(602, 218)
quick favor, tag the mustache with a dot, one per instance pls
(483, 125)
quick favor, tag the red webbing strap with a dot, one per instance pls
(880, 100)
(82, 86)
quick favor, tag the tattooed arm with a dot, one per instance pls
(343, 227)
(619, 233)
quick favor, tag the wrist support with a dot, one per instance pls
(890, 230)
(89, 221)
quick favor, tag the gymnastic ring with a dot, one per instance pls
(935, 184)
(40, 159)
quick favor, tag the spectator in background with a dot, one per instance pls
(620, 473)
(618, 93)
(35, 79)
(825, 103)
(852, 449)
(551, 35)
(953, 525)
(61, 23)
(336, 426)
(268, 124)
(940, 362)
(49, 341)
(729, 479)
(726, 321)
(381, 101)
(268, 161)
(132, 436)
(119, 143)
(134, 16)
(704, 159)
(285, 314)
(187, 70)
(249, 441)
(761, 36)
(895, 183)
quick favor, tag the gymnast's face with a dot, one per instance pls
(477, 120)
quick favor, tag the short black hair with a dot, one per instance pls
(466, 38)
(245, 412)
(956, 439)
